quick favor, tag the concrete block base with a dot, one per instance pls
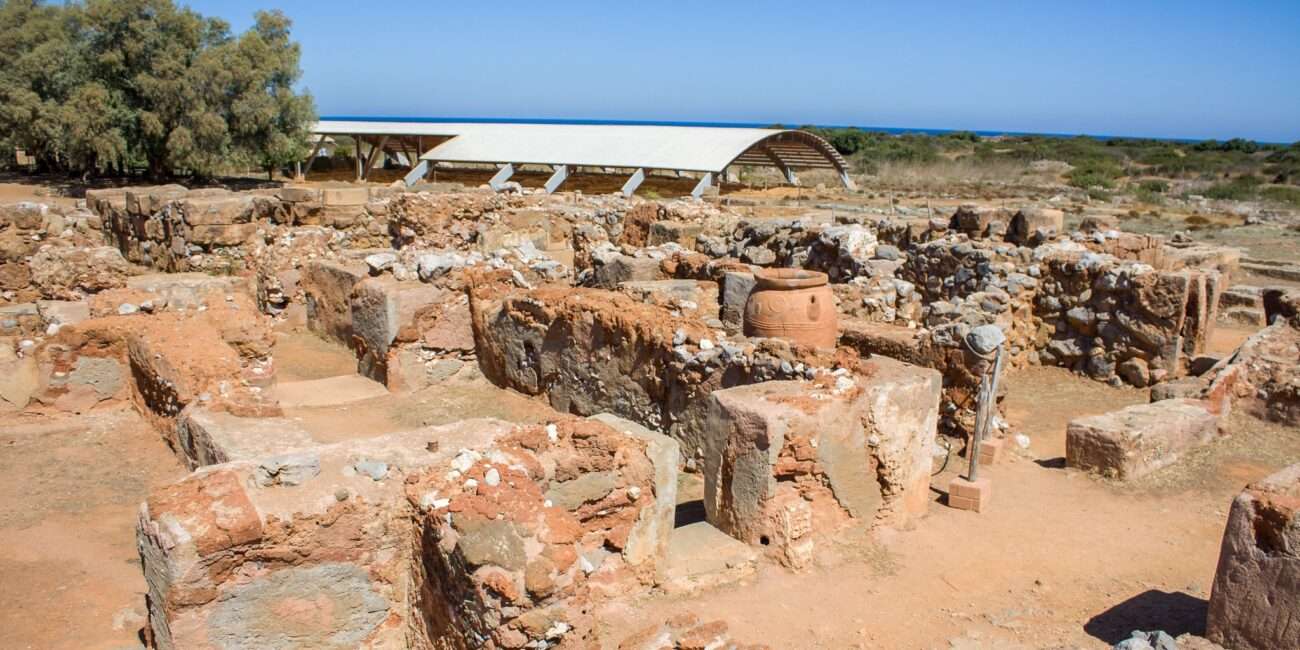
(970, 495)
(992, 451)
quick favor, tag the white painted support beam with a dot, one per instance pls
(790, 176)
(634, 181)
(848, 182)
(705, 181)
(412, 177)
(499, 180)
(553, 183)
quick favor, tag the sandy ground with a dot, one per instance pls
(69, 572)
(1060, 560)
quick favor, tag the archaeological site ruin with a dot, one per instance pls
(541, 409)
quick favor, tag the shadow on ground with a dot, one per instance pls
(1176, 613)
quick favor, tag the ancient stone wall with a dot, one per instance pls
(492, 534)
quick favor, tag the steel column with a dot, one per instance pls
(498, 181)
(553, 183)
(412, 177)
(633, 182)
(705, 181)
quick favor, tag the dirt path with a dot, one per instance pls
(69, 572)
(1060, 560)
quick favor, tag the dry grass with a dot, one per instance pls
(942, 174)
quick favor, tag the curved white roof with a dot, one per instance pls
(684, 148)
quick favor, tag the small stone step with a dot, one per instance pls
(701, 556)
(1242, 295)
(327, 392)
(1251, 316)
(1270, 269)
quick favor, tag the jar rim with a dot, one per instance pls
(789, 279)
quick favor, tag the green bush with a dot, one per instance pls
(1242, 188)
(1095, 172)
(1281, 194)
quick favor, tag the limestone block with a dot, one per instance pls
(186, 290)
(617, 269)
(884, 339)
(1029, 221)
(698, 298)
(650, 536)
(328, 288)
(295, 194)
(217, 211)
(871, 442)
(1255, 601)
(380, 307)
(146, 201)
(64, 312)
(340, 196)
(209, 437)
(222, 235)
(1139, 439)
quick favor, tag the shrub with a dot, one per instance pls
(1242, 188)
(1282, 194)
(1095, 172)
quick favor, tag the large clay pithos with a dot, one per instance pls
(792, 304)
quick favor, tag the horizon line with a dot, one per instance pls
(891, 130)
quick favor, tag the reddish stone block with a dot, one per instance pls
(992, 450)
(969, 495)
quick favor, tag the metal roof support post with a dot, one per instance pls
(848, 182)
(499, 180)
(633, 182)
(412, 177)
(705, 181)
(553, 183)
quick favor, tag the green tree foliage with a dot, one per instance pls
(112, 84)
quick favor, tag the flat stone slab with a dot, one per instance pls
(329, 391)
(212, 437)
(1140, 439)
(701, 556)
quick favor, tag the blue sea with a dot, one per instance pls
(737, 125)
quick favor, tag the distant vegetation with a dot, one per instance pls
(1235, 169)
(109, 86)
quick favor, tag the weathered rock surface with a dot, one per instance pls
(1137, 440)
(1255, 601)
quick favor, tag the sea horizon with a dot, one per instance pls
(891, 130)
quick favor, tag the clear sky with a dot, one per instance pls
(1190, 68)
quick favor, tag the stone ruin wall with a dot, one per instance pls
(420, 284)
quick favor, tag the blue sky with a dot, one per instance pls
(1191, 69)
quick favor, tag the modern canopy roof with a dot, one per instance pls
(639, 147)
